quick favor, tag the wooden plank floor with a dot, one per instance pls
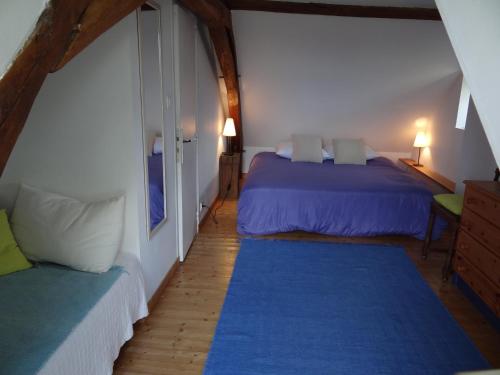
(176, 337)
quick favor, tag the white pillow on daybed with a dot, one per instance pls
(52, 228)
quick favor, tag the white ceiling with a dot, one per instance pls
(388, 3)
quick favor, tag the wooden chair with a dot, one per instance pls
(449, 207)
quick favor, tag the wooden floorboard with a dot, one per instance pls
(176, 337)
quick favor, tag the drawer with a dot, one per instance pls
(478, 283)
(482, 230)
(479, 256)
(482, 204)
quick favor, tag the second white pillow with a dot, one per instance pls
(285, 150)
(369, 152)
(349, 151)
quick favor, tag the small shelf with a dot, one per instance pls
(434, 176)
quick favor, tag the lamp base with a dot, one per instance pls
(417, 164)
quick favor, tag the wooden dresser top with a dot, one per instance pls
(434, 176)
(489, 187)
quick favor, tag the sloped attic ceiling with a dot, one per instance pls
(474, 31)
(63, 28)
(15, 30)
(66, 27)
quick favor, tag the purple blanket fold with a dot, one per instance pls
(342, 200)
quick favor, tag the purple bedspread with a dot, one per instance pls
(343, 200)
(155, 174)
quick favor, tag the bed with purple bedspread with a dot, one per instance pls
(342, 200)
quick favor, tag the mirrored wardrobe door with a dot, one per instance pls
(149, 24)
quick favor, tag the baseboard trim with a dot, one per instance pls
(153, 301)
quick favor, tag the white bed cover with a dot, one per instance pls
(92, 347)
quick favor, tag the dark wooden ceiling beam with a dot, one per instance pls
(98, 18)
(213, 13)
(222, 40)
(336, 9)
(217, 17)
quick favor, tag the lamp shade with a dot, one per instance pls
(421, 140)
(229, 130)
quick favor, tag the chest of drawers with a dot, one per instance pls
(477, 258)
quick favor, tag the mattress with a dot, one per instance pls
(94, 344)
(344, 200)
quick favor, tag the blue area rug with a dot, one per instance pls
(321, 308)
(40, 307)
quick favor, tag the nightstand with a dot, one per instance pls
(437, 183)
(229, 167)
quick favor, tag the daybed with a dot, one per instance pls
(58, 321)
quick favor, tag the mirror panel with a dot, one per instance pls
(149, 24)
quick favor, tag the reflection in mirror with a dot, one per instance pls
(152, 113)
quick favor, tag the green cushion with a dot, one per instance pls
(452, 202)
(11, 258)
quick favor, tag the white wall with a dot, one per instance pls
(83, 138)
(474, 30)
(445, 139)
(210, 119)
(17, 21)
(476, 160)
(343, 77)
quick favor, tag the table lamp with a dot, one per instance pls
(229, 132)
(421, 140)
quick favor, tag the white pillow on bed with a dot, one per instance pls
(349, 151)
(307, 148)
(285, 150)
(53, 228)
(158, 146)
(370, 153)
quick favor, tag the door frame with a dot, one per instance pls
(179, 136)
